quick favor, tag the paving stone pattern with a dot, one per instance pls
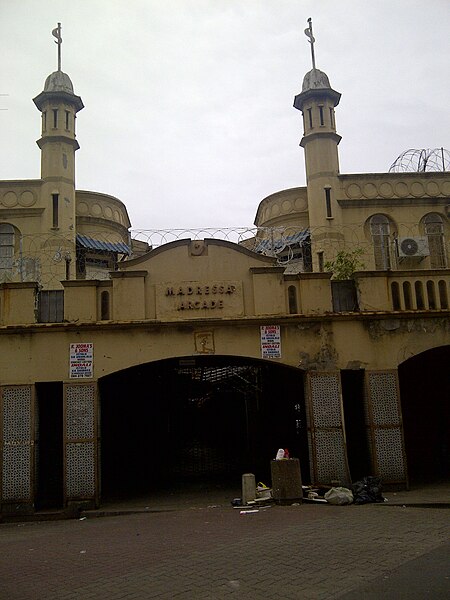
(294, 552)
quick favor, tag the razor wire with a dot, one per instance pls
(48, 259)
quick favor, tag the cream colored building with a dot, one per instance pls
(124, 369)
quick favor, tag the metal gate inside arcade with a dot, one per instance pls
(204, 420)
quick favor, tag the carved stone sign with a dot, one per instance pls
(199, 300)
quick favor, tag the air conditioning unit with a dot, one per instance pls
(413, 247)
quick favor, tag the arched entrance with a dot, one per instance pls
(197, 420)
(425, 393)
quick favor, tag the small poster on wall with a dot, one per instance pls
(270, 341)
(81, 361)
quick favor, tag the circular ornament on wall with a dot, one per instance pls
(370, 190)
(386, 190)
(108, 212)
(401, 189)
(432, 188)
(446, 188)
(353, 191)
(27, 199)
(82, 208)
(286, 206)
(9, 199)
(275, 210)
(96, 210)
(417, 189)
(300, 204)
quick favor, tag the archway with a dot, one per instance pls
(198, 421)
(425, 393)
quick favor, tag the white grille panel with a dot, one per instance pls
(80, 472)
(16, 472)
(326, 400)
(383, 393)
(80, 412)
(389, 449)
(330, 454)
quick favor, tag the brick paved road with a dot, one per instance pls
(309, 551)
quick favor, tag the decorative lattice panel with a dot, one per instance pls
(384, 398)
(80, 470)
(389, 450)
(330, 456)
(325, 400)
(366, 408)
(17, 440)
(17, 413)
(16, 483)
(80, 412)
(311, 455)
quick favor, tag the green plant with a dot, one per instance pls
(345, 264)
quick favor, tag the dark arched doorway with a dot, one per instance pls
(425, 392)
(197, 420)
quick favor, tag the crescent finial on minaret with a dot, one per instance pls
(57, 34)
(311, 39)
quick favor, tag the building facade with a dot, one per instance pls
(125, 369)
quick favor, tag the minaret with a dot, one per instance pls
(317, 102)
(59, 106)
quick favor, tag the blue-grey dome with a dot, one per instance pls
(315, 80)
(58, 82)
(58, 85)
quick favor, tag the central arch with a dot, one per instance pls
(197, 421)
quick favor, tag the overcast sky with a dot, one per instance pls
(188, 114)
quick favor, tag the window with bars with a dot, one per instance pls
(434, 230)
(380, 232)
(6, 248)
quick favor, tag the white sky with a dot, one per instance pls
(188, 114)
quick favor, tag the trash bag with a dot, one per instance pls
(339, 495)
(368, 489)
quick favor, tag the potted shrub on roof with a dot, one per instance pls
(343, 286)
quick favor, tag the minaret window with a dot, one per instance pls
(44, 120)
(332, 117)
(320, 261)
(328, 202)
(104, 306)
(321, 115)
(55, 210)
(310, 118)
(67, 119)
(55, 117)
(292, 299)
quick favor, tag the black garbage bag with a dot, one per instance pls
(368, 489)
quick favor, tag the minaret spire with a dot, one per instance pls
(311, 39)
(57, 34)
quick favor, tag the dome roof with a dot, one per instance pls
(58, 82)
(58, 85)
(314, 80)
